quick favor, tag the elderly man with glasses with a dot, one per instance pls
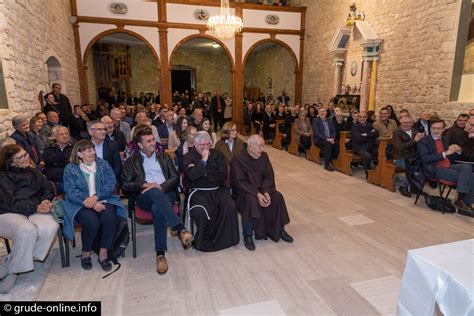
(210, 204)
(105, 147)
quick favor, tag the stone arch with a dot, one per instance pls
(276, 41)
(121, 30)
(55, 72)
(291, 86)
(212, 38)
(97, 37)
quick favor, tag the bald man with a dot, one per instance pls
(262, 207)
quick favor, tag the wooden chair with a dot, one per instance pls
(278, 135)
(343, 162)
(313, 154)
(383, 174)
(293, 147)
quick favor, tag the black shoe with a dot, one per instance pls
(249, 244)
(286, 237)
(86, 263)
(404, 191)
(329, 167)
(105, 264)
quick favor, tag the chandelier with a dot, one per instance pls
(225, 25)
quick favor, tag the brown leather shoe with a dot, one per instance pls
(161, 264)
(186, 239)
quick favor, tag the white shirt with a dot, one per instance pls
(409, 132)
(99, 149)
(230, 143)
(153, 171)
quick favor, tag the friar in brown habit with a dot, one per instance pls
(262, 207)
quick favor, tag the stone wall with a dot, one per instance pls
(145, 75)
(213, 69)
(30, 32)
(273, 61)
(417, 56)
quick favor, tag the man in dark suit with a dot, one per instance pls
(423, 124)
(62, 103)
(165, 129)
(283, 98)
(157, 121)
(324, 136)
(217, 110)
(364, 136)
(105, 148)
(438, 162)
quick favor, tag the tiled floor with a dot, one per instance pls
(348, 257)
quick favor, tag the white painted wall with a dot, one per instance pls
(149, 33)
(137, 9)
(182, 13)
(293, 41)
(256, 18)
(251, 38)
(87, 31)
(176, 35)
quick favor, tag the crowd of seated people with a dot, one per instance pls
(124, 141)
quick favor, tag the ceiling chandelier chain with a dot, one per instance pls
(225, 25)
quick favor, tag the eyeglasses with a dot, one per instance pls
(233, 130)
(21, 157)
(99, 129)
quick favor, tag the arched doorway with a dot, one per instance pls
(120, 66)
(201, 64)
(270, 67)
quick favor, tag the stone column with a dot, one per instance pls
(338, 63)
(364, 91)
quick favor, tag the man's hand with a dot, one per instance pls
(452, 149)
(44, 207)
(263, 200)
(330, 140)
(418, 136)
(98, 207)
(148, 186)
(205, 154)
(307, 134)
(90, 201)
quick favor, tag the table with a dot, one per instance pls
(442, 275)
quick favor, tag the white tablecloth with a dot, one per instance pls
(443, 275)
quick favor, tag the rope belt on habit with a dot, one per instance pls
(194, 190)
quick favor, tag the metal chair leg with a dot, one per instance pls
(419, 193)
(134, 233)
(61, 247)
(441, 191)
(66, 246)
(7, 245)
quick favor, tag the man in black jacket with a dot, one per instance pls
(62, 103)
(439, 162)
(77, 124)
(56, 157)
(217, 110)
(364, 137)
(149, 178)
(404, 141)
